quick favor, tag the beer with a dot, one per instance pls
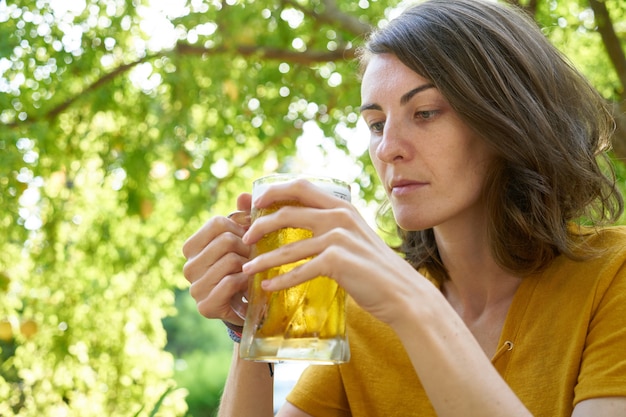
(305, 322)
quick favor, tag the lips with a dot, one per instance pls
(402, 186)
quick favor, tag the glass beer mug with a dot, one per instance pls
(302, 323)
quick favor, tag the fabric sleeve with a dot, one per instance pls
(603, 367)
(319, 392)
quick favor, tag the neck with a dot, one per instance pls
(477, 283)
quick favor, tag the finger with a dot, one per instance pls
(217, 303)
(299, 190)
(244, 202)
(313, 219)
(284, 255)
(327, 246)
(206, 278)
(242, 215)
(322, 265)
(208, 232)
(223, 255)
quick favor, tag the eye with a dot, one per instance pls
(376, 127)
(426, 114)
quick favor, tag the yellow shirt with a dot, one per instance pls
(563, 341)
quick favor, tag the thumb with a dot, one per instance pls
(244, 202)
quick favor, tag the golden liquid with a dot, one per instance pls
(315, 308)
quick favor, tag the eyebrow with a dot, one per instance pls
(406, 97)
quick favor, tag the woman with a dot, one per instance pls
(486, 141)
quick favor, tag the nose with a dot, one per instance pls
(393, 145)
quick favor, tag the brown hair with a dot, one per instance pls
(547, 125)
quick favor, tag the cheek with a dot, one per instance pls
(373, 146)
(471, 181)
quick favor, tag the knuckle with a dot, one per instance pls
(345, 215)
(333, 254)
(234, 282)
(301, 182)
(188, 272)
(286, 210)
(218, 274)
(228, 243)
(339, 235)
(195, 243)
(230, 240)
(206, 307)
(187, 250)
(233, 262)
(195, 291)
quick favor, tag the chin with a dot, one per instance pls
(411, 219)
(411, 224)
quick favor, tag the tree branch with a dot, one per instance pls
(303, 58)
(530, 8)
(615, 52)
(61, 107)
(619, 137)
(333, 16)
(611, 41)
(92, 87)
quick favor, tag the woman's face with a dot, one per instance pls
(431, 164)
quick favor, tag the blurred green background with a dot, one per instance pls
(125, 124)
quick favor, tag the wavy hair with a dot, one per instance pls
(549, 128)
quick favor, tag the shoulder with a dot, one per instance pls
(603, 245)
(595, 283)
(613, 237)
(601, 269)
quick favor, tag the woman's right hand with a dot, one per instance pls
(215, 254)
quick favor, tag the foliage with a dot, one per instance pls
(125, 124)
(206, 381)
(203, 352)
